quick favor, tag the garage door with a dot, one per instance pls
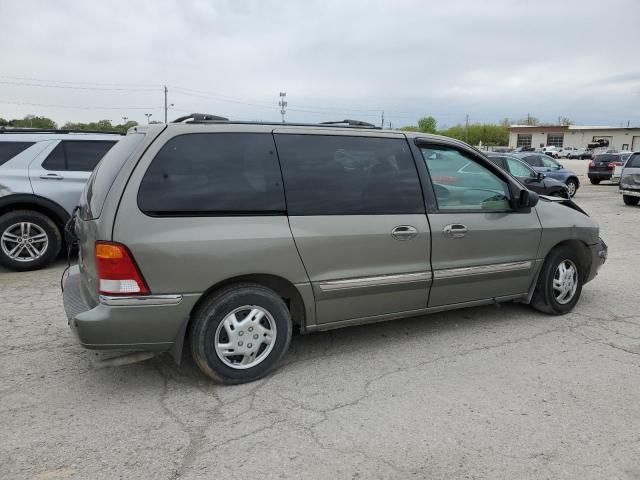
(635, 144)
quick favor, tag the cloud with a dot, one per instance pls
(490, 59)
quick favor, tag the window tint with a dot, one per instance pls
(55, 160)
(96, 189)
(519, 169)
(634, 161)
(549, 162)
(498, 161)
(214, 173)
(77, 155)
(8, 150)
(461, 183)
(84, 156)
(343, 175)
(533, 160)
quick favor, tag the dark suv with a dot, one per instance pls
(602, 167)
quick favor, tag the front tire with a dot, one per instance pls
(572, 185)
(629, 200)
(240, 333)
(29, 240)
(560, 282)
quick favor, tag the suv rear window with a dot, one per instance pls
(77, 155)
(96, 190)
(345, 175)
(8, 150)
(214, 174)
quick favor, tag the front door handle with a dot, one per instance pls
(455, 230)
(404, 232)
(52, 176)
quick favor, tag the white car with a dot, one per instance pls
(565, 152)
(551, 151)
(617, 171)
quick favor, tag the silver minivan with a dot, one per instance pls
(630, 180)
(232, 234)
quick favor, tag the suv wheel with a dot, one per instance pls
(559, 284)
(572, 185)
(630, 200)
(240, 333)
(594, 181)
(29, 240)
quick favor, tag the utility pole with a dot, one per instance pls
(148, 115)
(283, 104)
(382, 120)
(165, 103)
(466, 126)
(124, 126)
(628, 123)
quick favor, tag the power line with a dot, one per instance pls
(81, 107)
(75, 87)
(69, 82)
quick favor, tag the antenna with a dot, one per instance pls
(283, 104)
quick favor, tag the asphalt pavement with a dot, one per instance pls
(489, 392)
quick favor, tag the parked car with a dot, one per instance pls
(549, 150)
(602, 166)
(564, 152)
(42, 173)
(630, 180)
(535, 181)
(542, 163)
(617, 169)
(581, 153)
(234, 234)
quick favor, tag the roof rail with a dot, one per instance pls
(200, 117)
(351, 123)
(54, 130)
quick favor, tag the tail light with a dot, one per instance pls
(611, 165)
(592, 163)
(117, 272)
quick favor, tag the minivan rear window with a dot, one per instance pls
(214, 174)
(8, 150)
(96, 190)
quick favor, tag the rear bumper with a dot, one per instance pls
(600, 175)
(599, 253)
(151, 323)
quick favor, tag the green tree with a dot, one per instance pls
(100, 126)
(488, 133)
(428, 125)
(32, 121)
(410, 128)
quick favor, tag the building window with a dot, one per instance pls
(524, 141)
(555, 139)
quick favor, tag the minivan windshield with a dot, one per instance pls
(96, 190)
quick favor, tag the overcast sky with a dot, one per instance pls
(353, 59)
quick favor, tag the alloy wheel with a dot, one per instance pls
(24, 242)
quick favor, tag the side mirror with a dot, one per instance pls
(541, 176)
(527, 199)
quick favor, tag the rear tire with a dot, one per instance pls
(629, 200)
(240, 333)
(594, 181)
(29, 240)
(556, 292)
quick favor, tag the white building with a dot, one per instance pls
(619, 138)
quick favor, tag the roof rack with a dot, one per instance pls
(200, 117)
(351, 123)
(207, 118)
(54, 130)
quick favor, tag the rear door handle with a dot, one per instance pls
(52, 176)
(455, 230)
(404, 232)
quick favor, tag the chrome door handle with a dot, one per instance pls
(404, 232)
(52, 176)
(456, 230)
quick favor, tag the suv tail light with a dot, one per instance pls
(611, 165)
(592, 163)
(117, 272)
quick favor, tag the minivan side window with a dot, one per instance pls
(8, 150)
(461, 183)
(348, 175)
(214, 174)
(77, 155)
(634, 161)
